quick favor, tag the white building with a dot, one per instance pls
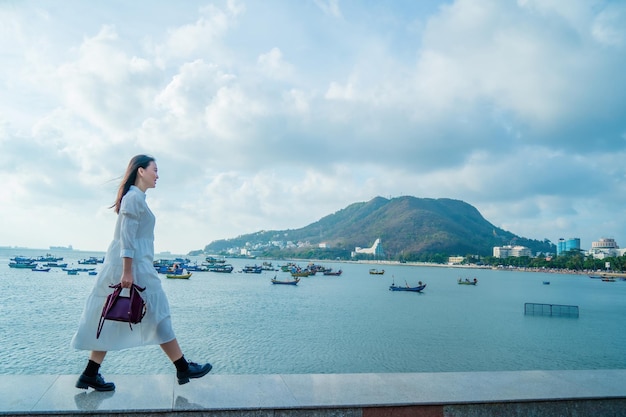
(604, 248)
(508, 251)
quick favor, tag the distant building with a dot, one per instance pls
(508, 251)
(376, 249)
(455, 260)
(604, 248)
(571, 244)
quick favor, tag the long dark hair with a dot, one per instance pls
(137, 161)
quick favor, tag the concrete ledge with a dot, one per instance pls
(454, 394)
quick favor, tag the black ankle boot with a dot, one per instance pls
(194, 371)
(95, 382)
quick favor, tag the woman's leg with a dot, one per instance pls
(184, 370)
(172, 350)
(91, 377)
(97, 356)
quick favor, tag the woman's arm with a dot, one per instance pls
(127, 273)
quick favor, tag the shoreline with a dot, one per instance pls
(473, 267)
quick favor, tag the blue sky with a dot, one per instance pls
(271, 115)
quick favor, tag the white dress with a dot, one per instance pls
(133, 238)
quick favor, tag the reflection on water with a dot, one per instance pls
(243, 324)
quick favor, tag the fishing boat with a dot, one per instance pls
(179, 276)
(40, 269)
(303, 273)
(375, 271)
(72, 271)
(22, 264)
(467, 281)
(249, 269)
(223, 268)
(418, 288)
(294, 282)
(55, 265)
(546, 283)
(333, 273)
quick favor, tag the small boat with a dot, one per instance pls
(72, 271)
(294, 282)
(333, 273)
(299, 274)
(466, 281)
(375, 271)
(179, 276)
(56, 265)
(22, 264)
(546, 283)
(40, 269)
(419, 288)
(93, 273)
(223, 268)
(249, 269)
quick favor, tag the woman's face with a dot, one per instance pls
(147, 177)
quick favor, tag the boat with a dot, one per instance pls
(418, 288)
(93, 273)
(40, 269)
(294, 282)
(49, 258)
(224, 268)
(375, 271)
(22, 263)
(72, 271)
(248, 269)
(55, 265)
(546, 283)
(179, 276)
(467, 281)
(333, 273)
(303, 273)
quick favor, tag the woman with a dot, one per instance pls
(129, 260)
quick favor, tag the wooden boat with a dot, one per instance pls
(419, 288)
(375, 271)
(249, 269)
(466, 281)
(294, 282)
(40, 269)
(72, 271)
(179, 276)
(546, 283)
(223, 268)
(56, 265)
(301, 274)
(22, 265)
(336, 274)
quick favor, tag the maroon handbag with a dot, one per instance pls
(120, 308)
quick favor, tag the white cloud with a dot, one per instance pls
(268, 116)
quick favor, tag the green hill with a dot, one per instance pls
(409, 228)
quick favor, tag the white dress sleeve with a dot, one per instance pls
(130, 211)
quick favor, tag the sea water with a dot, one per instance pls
(352, 323)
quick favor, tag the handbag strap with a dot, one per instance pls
(109, 303)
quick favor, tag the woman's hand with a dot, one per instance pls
(127, 280)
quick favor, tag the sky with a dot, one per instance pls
(269, 115)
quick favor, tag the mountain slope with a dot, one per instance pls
(407, 226)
